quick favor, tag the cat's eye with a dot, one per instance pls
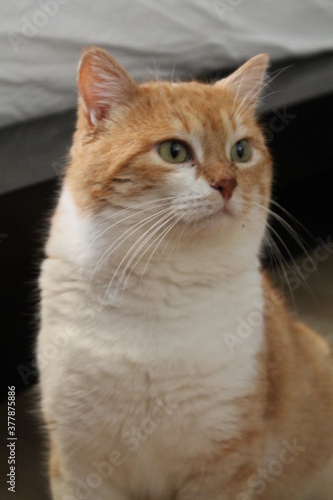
(241, 151)
(174, 152)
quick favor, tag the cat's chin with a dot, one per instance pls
(217, 221)
(219, 217)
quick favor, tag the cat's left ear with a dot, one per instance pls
(103, 85)
(247, 81)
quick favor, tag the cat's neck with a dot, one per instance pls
(171, 280)
(176, 297)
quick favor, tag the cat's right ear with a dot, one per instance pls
(103, 85)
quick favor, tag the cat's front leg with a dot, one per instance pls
(65, 486)
(61, 486)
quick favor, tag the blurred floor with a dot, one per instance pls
(312, 293)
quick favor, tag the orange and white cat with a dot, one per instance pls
(169, 367)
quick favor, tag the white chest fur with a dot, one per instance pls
(154, 380)
(115, 381)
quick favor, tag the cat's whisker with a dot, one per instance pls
(142, 241)
(269, 246)
(144, 238)
(280, 261)
(271, 77)
(160, 216)
(283, 262)
(275, 74)
(181, 232)
(292, 260)
(242, 107)
(246, 106)
(160, 237)
(268, 81)
(174, 68)
(293, 218)
(114, 246)
(138, 208)
(246, 103)
(255, 96)
(260, 100)
(293, 233)
(150, 204)
(123, 237)
(297, 237)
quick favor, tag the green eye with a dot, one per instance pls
(173, 152)
(241, 151)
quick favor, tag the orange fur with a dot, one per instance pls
(160, 111)
(111, 160)
(54, 464)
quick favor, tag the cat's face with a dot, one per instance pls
(185, 156)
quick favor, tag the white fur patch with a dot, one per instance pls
(173, 336)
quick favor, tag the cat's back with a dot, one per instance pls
(299, 404)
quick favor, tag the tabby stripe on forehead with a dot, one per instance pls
(227, 123)
(120, 180)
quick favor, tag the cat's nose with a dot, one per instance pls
(225, 187)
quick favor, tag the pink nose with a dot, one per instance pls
(225, 187)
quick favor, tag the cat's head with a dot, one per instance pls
(177, 159)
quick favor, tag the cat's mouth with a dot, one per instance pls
(228, 209)
(210, 218)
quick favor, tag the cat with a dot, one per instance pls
(170, 368)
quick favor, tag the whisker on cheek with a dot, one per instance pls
(181, 229)
(135, 210)
(161, 238)
(133, 252)
(293, 233)
(120, 240)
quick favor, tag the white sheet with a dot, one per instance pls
(41, 42)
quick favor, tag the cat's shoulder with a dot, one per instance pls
(291, 344)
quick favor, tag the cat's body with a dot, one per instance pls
(169, 367)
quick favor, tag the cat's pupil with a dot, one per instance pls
(240, 149)
(174, 149)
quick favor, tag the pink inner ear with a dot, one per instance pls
(88, 84)
(247, 81)
(102, 83)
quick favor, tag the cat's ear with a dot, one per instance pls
(247, 81)
(103, 85)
